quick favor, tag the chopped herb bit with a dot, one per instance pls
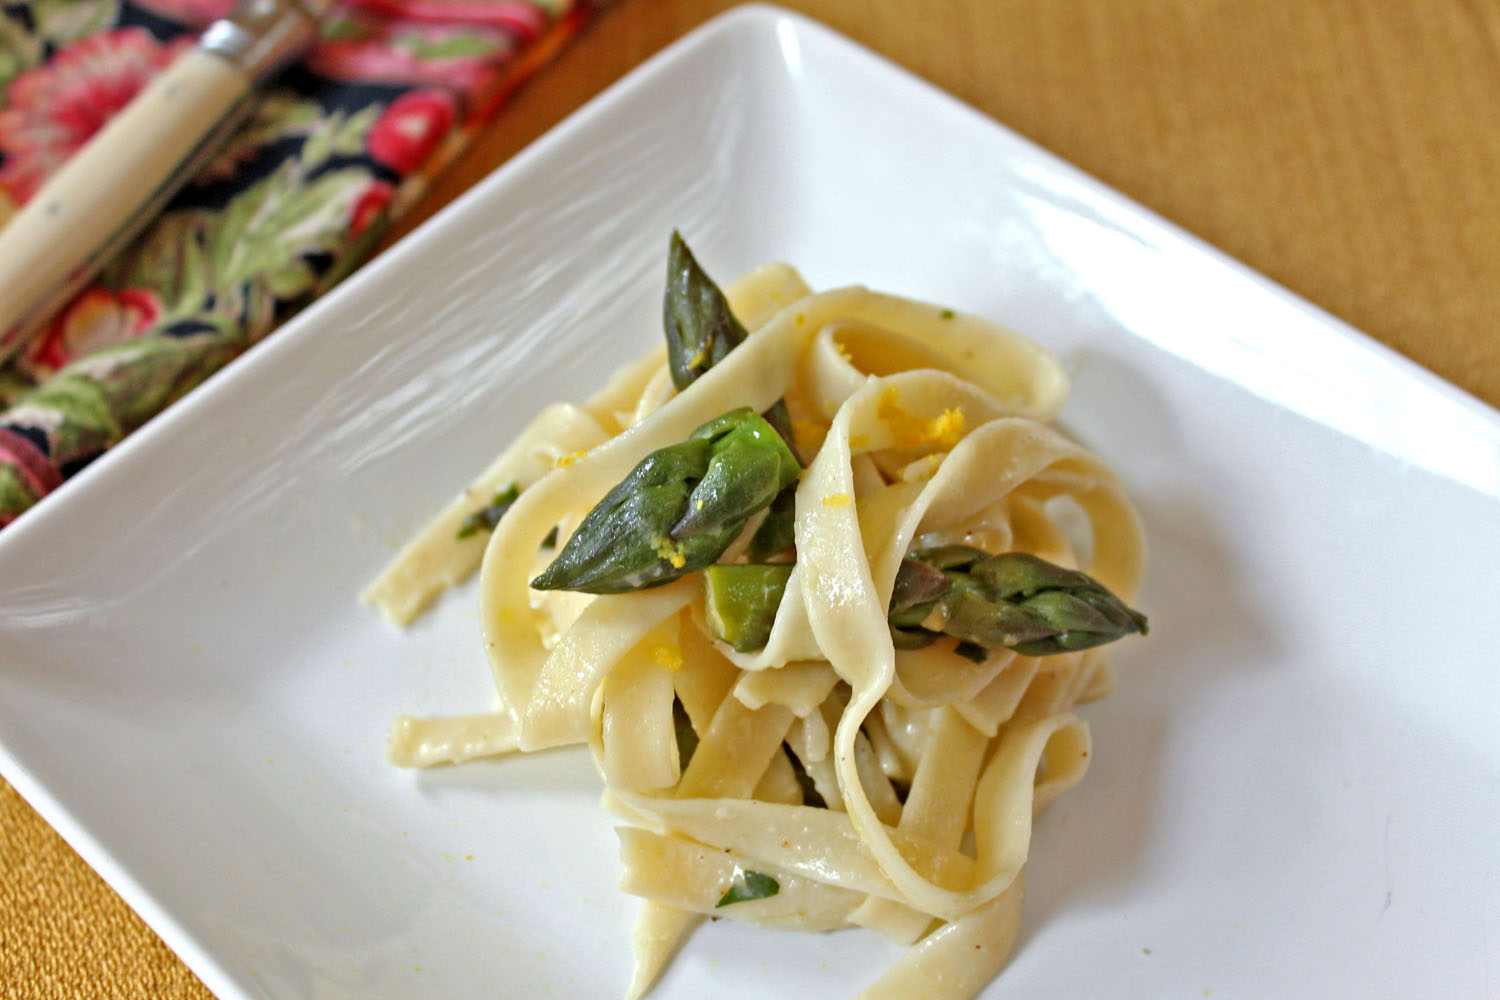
(972, 651)
(777, 533)
(550, 542)
(947, 314)
(687, 736)
(487, 517)
(779, 417)
(751, 886)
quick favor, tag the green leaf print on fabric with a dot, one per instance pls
(61, 22)
(170, 261)
(257, 248)
(15, 495)
(91, 405)
(138, 378)
(455, 47)
(253, 256)
(341, 135)
(276, 116)
(19, 50)
(76, 414)
(12, 385)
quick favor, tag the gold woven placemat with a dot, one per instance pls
(63, 932)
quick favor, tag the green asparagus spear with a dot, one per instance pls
(741, 601)
(700, 328)
(678, 510)
(1013, 600)
(701, 331)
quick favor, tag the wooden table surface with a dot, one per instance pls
(1348, 149)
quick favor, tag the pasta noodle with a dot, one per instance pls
(826, 778)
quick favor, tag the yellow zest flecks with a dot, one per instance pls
(837, 500)
(808, 430)
(671, 552)
(859, 441)
(911, 431)
(668, 656)
(948, 429)
(567, 460)
(838, 345)
(801, 319)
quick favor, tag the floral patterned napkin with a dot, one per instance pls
(329, 155)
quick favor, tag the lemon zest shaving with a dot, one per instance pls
(911, 431)
(667, 656)
(671, 552)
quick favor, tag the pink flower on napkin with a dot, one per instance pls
(463, 60)
(52, 110)
(372, 201)
(97, 318)
(410, 128)
(464, 45)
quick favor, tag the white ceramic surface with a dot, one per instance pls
(1295, 792)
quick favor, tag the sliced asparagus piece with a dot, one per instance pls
(741, 602)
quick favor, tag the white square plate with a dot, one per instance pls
(1296, 786)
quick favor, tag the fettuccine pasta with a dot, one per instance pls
(825, 778)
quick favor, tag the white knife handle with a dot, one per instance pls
(124, 174)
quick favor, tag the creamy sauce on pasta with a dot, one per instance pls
(916, 425)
